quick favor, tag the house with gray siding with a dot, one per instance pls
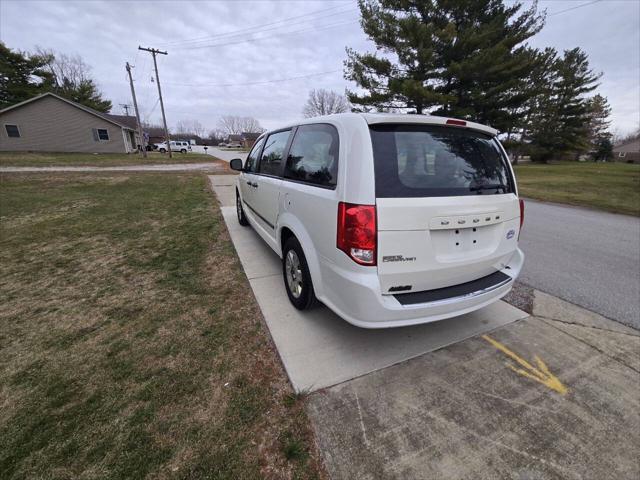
(50, 123)
(628, 151)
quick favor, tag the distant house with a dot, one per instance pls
(233, 138)
(50, 123)
(249, 138)
(627, 152)
(156, 135)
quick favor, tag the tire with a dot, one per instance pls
(163, 150)
(242, 219)
(183, 151)
(296, 276)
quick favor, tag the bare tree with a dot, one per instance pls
(190, 126)
(324, 102)
(71, 78)
(63, 67)
(235, 125)
(216, 136)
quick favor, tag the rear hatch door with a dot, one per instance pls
(446, 205)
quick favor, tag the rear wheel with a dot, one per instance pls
(184, 150)
(297, 279)
(242, 219)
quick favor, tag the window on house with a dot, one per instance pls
(621, 154)
(100, 134)
(12, 131)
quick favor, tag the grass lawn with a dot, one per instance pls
(23, 159)
(614, 187)
(131, 345)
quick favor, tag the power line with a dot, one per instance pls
(305, 30)
(241, 35)
(257, 27)
(147, 116)
(278, 80)
(573, 8)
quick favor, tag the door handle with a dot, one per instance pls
(249, 183)
(255, 185)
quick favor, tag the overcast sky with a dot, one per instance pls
(233, 58)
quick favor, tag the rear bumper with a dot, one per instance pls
(356, 297)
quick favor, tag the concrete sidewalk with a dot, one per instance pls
(174, 167)
(478, 409)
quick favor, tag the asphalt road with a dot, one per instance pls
(586, 257)
(223, 153)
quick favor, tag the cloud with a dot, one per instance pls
(204, 50)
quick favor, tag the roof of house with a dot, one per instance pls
(155, 131)
(250, 135)
(234, 137)
(128, 120)
(630, 146)
(118, 120)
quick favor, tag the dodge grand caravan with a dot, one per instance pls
(389, 220)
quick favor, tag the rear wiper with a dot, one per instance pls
(495, 186)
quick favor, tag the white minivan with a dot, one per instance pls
(387, 219)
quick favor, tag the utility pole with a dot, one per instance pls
(135, 106)
(154, 52)
(126, 108)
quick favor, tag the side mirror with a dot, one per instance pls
(236, 164)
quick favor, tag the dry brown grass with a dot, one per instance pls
(130, 343)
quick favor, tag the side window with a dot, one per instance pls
(313, 156)
(271, 159)
(100, 134)
(12, 131)
(252, 159)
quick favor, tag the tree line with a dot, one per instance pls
(24, 75)
(470, 59)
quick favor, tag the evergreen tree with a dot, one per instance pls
(85, 93)
(461, 58)
(599, 112)
(603, 149)
(21, 76)
(560, 124)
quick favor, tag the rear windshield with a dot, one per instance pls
(432, 161)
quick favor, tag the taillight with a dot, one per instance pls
(357, 234)
(460, 123)
(521, 216)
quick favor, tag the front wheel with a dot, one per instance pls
(242, 219)
(163, 150)
(183, 150)
(297, 279)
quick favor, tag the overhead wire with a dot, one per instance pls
(259, 28)
(262, 82)
(251, 40)
(573, 8)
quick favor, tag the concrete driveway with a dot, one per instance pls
(318, 348)
(496, 395)
(587, 257)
